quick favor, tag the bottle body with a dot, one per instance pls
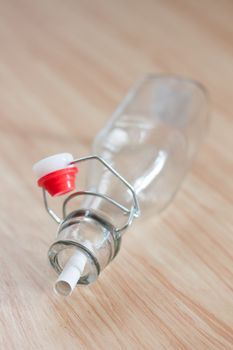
(151, 140)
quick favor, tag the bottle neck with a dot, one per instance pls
(91, 233)
(110, 209)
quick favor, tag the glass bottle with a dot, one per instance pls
(141, 157)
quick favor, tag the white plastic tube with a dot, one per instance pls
(71, 273)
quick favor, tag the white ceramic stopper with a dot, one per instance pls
(71, 273)
(48, 165)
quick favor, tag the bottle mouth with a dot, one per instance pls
(59, 254)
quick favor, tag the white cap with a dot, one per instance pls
(56, 162)
(71, 273)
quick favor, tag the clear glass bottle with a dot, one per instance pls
(150, 141)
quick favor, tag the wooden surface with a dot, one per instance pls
(64, 66)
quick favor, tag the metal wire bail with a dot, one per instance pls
(133, 212)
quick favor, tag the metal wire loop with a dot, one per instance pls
(132, 213)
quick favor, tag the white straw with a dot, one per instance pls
(71, 273)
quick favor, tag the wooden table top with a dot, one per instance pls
(64, 66)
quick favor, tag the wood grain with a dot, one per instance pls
(64, 66)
